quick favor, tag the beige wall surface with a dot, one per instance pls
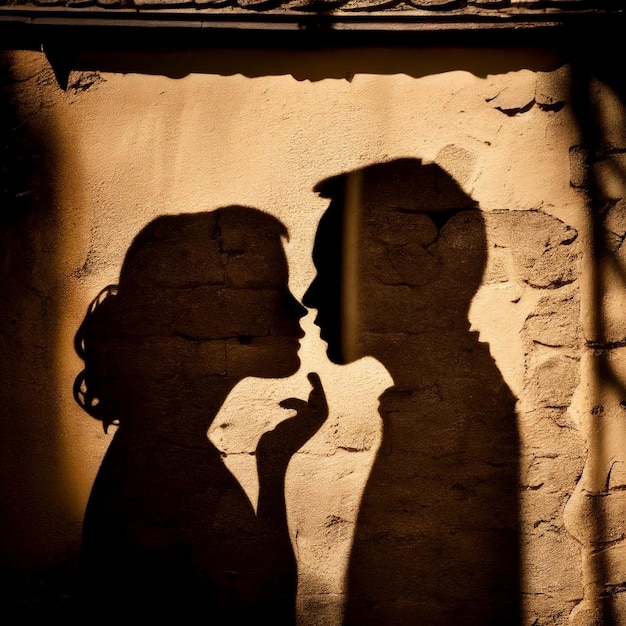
(135, 137)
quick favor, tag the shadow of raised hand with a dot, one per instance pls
(274, 451)
(277, 446)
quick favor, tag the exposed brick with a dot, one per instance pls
(552, 382)
(544, 251)
(555, 322)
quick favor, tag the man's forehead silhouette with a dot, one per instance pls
(404, 185)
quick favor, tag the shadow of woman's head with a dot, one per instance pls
(202, 302)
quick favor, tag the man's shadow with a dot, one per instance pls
(202, 302)
(400, 253)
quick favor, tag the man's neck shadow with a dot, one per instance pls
(400, 253)
(202, 302)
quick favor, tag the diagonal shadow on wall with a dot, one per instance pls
(595, 512)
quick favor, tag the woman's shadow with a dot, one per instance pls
(400, 253)
(202, 302)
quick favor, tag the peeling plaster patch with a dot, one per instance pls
(83, 81)
(518, 96)
(516, 111)
(548, 90)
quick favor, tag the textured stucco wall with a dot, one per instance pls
(86, 168)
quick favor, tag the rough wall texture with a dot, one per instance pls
(85, 169)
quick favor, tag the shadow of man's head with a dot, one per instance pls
(400, 251)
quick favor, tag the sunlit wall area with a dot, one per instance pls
(453, 223)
